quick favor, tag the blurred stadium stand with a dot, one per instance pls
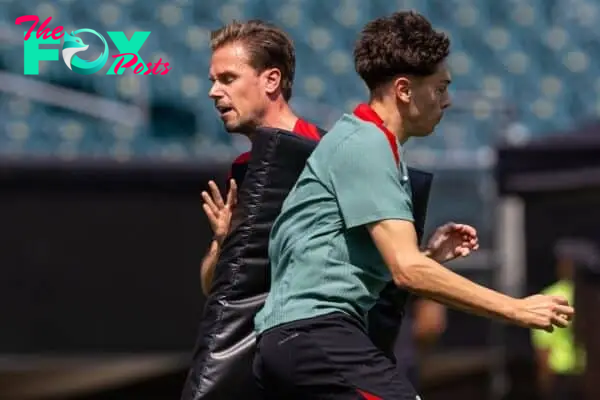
(522, 70)
(534, 56)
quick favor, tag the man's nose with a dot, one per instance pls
(446, 103)
(214, 91)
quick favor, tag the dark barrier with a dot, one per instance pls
(558, 179)
(577, 221)
(101, 256)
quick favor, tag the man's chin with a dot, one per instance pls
(231, 127)
(238, 129)
(424, 133)
(431, 130)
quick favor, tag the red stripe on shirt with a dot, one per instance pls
(366, 113)
(368, 396)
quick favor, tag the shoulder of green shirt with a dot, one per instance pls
(360, 131)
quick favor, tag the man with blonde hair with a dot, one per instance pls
(252, 72)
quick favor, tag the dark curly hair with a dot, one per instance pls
(402, 43)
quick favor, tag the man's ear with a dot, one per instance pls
(272, 80)
(403, 89)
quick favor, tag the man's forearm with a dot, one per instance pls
(429, 279)
(207, 268)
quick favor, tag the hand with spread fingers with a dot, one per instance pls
(544, 312)
(218, 211)
(451, 241)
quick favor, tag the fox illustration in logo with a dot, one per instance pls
(73, 45)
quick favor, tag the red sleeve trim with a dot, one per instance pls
(241, 159)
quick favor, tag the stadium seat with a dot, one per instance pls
(534, 58)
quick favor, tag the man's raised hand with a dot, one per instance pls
(218, 211)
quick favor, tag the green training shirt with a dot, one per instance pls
(322, 257)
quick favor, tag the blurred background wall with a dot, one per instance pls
(102, 229)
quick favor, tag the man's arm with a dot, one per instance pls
(207, 267)
(429, 322)
(219, 214)
(365, 179)
(410, 269)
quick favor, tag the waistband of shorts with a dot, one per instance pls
(299, 323)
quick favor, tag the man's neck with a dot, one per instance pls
(280, 116)
(388, 112)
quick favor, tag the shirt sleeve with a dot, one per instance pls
(366, 181)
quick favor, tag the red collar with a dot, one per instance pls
(366, 113)
(306, 130)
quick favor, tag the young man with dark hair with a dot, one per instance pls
(252, 70)
(346, 230)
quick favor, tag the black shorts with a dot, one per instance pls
(327, 357)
